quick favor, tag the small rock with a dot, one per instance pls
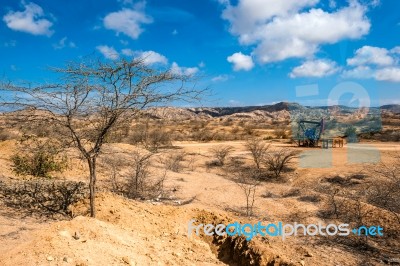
(308, 254)
(302, 263)
(66, 259)
(50, 258)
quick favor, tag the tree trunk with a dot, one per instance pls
(92, 185)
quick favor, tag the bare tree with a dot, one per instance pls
(258, 149)
(92, 97)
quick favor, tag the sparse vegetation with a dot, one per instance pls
(93, 98)
(248, 180)
(258, 150)
(173, 161)
(38, 158)
(277, 161)
(43, 196)
(221, 153)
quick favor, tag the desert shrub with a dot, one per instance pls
(294, 192)
(173, 161)
(151, 138)
(140, 180)
(38, 158)
(278, 160)
(384, 189)
(227, 122)
(249, 130)
(280, 133)
(203, 135)
(248, 181)
(212, 164)
(310, 198)
(6, 135)
(43, 196)
(120, 133)
(258, 150)
(351, 134)
(157, 138)
(139, 174)
(235, 130)
(221, 153)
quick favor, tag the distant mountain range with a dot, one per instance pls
(280, 111)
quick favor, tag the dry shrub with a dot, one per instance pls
(384, 189)
(7, 135)
(151, 138)
(277, 161)
(221, 153)
(248, 181)
(142, 181)
(173, 161)
(258, 149)
(43, 196)
(281, 133)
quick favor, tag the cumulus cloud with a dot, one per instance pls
(148, 57)
(395, 50)
(31, 20)
(284, 31)
(315, 68)
(241, 61)
(108, 52)
(369, 55)
(388, 74)
(64, 43)
(187, 71)
(128, 21)
(220, 78)
(359, 72)
(374, 62)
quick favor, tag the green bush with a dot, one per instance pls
(39, 160)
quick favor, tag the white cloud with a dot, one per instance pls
(128, 21)
(220, 78)
(108, 52)
(359, 72)
(31, 20)
(187, 71)
(148, 57)
(374, 62)
(315, 68)
(369, 55)
(64, 43)
(241, 61)
(282, 31)
(388, 74)
(395, 50)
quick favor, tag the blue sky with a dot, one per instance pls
(250, 52)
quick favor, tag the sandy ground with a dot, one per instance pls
(128, 232)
